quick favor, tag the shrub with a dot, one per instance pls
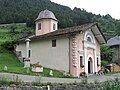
(107, 52)
(112, 84)
(84, 80)
(104, 62)
(4, 79)
(96, 81)
(8, 45)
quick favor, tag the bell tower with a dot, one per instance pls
(46, 22)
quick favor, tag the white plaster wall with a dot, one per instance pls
(51, 57)
(21, 47)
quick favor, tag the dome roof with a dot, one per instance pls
(46, 14)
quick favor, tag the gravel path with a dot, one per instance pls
(27, 78)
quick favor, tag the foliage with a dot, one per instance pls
(5, 80)
(105, 62)
(84, 80)
(13, 28)
(27, 11)
(96, 81)
(8, 45)
(112, 84)
(107, 52)
(18, 30)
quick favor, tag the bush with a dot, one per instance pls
(104, 62)
(112, 84)
(107, 52)
(8, 45)
(84, 80)
(5, 80)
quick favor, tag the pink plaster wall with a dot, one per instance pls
(44, 29)
(46, 26)
(98, 54)
(90, 51)
(76, 70)
(79, 52)
(72, 68)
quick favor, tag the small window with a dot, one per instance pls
(89, 39)
(81, 60)
(29, 53)
(53, 26)
(53, 43)
(97, 61)
(39, 26)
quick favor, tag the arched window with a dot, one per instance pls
(89, 39)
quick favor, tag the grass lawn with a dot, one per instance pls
(8, 58)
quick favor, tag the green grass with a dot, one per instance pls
(8, 58)
(8, 34)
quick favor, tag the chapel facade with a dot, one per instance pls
(73, 49)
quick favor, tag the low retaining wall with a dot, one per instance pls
(59, 87)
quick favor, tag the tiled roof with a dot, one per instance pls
(66, 31)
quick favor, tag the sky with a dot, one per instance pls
(103, 7)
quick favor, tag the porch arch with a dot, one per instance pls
(90, 64)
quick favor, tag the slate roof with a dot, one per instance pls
(114, 41)
(46, 14)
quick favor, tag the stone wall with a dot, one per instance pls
(60, 87)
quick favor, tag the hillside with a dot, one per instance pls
(26, 11)
(11, 32)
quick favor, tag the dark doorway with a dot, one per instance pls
(90, 65)
(89, 71)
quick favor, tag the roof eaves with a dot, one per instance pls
(101, 32)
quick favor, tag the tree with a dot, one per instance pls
(26, 11)
(107, 52)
